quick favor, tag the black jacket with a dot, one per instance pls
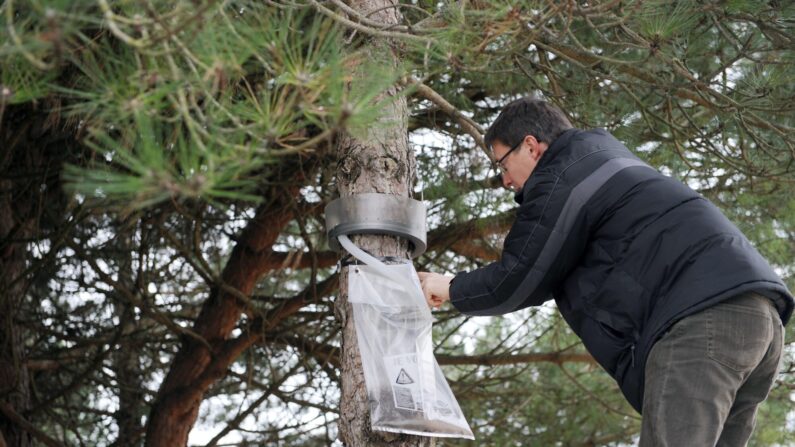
(624, 250)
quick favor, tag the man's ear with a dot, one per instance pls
(536, 151)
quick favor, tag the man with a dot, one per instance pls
(665, 293)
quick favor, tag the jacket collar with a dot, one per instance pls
(560, 143)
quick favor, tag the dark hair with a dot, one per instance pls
(527, 116)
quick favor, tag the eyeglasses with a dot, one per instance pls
(501, 167)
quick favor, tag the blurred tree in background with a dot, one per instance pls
(164, 167)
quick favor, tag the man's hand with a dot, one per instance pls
(436, 288)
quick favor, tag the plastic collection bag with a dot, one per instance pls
(406, 388)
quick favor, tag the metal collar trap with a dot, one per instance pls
(374, 213)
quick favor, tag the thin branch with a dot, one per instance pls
(16, 418)
(41, 65)
(366, 29)
(366, 20)
(146, 310)
(268, 391)
(470, 127)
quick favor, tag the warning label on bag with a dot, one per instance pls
(404, 376)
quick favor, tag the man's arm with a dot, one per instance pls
(544, 244)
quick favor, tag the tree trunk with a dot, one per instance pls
(14, 379)
(15, 227)
(34, 143)
(378, 162)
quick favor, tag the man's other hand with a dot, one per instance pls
(436, 288)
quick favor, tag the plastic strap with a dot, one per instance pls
(361, 255)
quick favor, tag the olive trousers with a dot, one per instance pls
(706, 376)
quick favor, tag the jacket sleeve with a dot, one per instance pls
(545, 242)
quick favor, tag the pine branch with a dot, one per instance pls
(469, 126)
(512, 359)
(369, 30)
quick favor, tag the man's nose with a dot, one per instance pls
(506, 182)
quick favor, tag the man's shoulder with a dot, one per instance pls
(586, 148)
(595, 139)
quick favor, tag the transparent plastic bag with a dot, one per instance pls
(406, 388)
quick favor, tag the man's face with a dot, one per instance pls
(517, 165)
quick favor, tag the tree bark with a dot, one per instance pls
(382, 162)
(16, 224)
(14, 378)
(34, 143)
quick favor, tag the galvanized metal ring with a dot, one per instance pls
(374, 213)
